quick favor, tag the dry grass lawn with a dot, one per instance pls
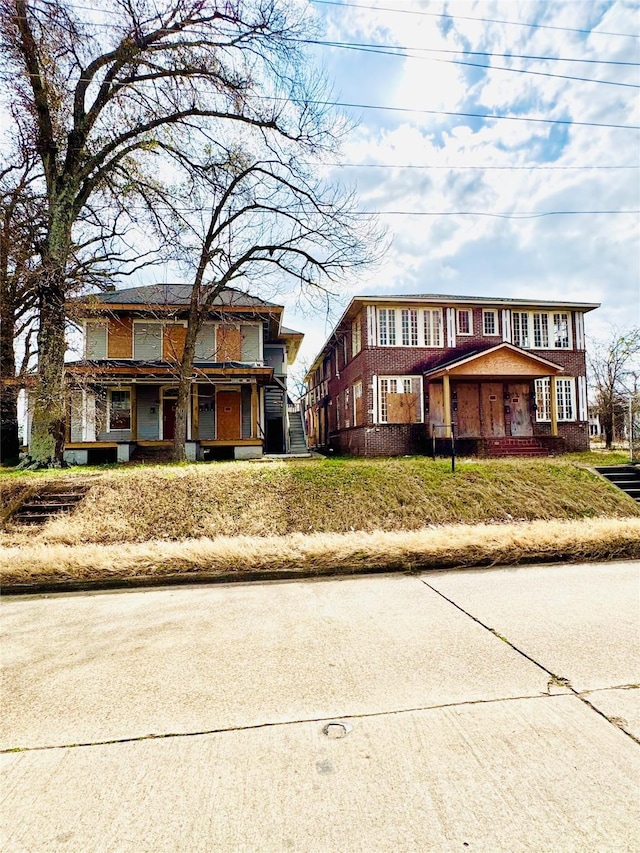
(345, 514)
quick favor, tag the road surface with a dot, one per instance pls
(484, 710)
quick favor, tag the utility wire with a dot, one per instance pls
(364, 49)
(469, 18)
(494, 116)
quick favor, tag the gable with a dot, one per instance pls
(503, 362)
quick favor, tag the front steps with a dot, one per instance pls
(625, 477)
(521, 446)
(38, 508)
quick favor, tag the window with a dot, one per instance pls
(565, 398)
(147, 341)
(433, 327)
(489, 322)
(119, 410)
(465, 321)
(95, 341)
(541, 330)
(561, 331)
(520, 323)
(387, 327)
(347, 419)
(409, 327)
(400, 399)
(356, 336)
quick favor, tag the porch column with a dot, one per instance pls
(134, 414)
(254, 410)
(446, 397)
(553, 405)
(195, 412)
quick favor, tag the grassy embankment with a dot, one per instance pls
(317, 515)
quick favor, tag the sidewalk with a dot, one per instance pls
(489, 710)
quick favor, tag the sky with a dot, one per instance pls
(481, 206)
(440, 163)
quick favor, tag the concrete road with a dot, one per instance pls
(493, 710)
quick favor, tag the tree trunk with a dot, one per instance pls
(179, 450)
(9, 441)
(48, 397)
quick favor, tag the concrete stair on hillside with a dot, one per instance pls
(519, 446)
(42, 506)
(297, 440)
(625, 477)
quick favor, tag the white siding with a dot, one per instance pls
(147, 341)
(506, 325)
(206, 343)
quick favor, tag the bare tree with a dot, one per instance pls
(20, 227)
(267, 222)
(610, 363)
(106, 98)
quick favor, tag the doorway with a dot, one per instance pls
(519, 394)
(228, 415)
(169, 402)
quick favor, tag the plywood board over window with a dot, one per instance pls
(173, 340)
(120, 339)
(468, 402)
(492, 399)
(229, 342)
(402, 409)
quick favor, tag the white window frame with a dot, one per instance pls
(401, 388)
(356, 336)
(469, 314)
(490, 312)
(109, 409)
(565, 390)
(541, 329)
(410, 327)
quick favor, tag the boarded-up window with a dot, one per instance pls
(358, 414)
(147, 341)
(399, 399)
(120, 337)
(229, 343)
(250, 343)
(206, 343)
(173, 342)
(96, 341)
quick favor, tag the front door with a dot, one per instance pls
(467, 400)
(492, 398)
(519, 404)
(168, 418)
(228, 415)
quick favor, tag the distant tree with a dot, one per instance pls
(610, 363)
(107, 98)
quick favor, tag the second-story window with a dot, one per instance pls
(409, 318)
(356, 336)
(387, 327)
(147, 341)
(520, 323)
(540, 330)
(489, 322)
(465, 321)
(433, 327)
(561, 331)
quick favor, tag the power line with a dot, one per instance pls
(469, 52)
(470, 18)
(494, 116)
(364, 49)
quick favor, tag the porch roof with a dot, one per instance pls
(163, 371)
(504, 359)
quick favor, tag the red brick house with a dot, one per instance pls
(122, 391)
(400, 372)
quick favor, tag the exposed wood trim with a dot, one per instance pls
(254, 410)
(83, 445)
(231, 442)
(553, 405)
(446, 393)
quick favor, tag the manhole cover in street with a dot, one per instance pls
(337, 730)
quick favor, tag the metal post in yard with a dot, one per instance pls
(453, 450)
